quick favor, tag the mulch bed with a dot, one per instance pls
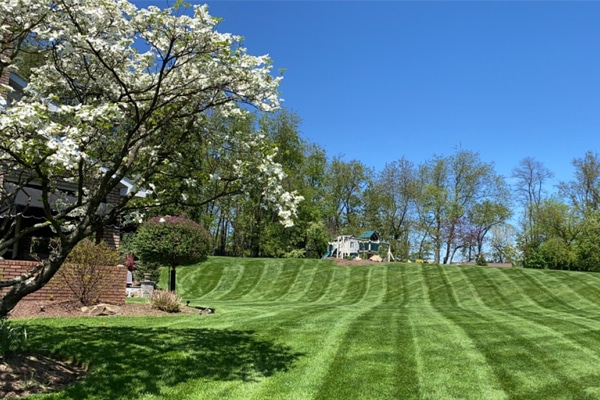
(50, 309)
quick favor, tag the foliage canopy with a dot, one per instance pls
(171, 241)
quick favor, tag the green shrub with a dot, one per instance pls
(165, 301)
(12, 338)
(171, 241)
(84, 271)
(481, 260)
(141, 268)
(295, 253)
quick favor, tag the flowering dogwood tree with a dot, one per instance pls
(123, 93)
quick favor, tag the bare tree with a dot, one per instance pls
(531, 177)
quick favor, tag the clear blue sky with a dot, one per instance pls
(378, 80)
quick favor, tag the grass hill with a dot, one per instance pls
(419, 331)
(308, 329)
(321, 282)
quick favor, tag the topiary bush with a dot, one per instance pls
(165, 301)
(171, 241)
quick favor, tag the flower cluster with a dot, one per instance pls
(122, 88)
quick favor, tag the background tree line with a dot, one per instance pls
(449, 208)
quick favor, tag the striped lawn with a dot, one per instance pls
(307, 329)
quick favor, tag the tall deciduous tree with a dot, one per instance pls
(126, 92)
(558, 228)
(346, 182)
(454, 189)
(583, 192)
(531, 177)
(390, 203)
(587, 245)
(270, 238)
(503, 243)
(482, 217)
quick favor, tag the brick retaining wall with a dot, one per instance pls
(112, 285)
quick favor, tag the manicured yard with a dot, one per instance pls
(306, 329)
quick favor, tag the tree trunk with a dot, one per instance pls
(172, 279)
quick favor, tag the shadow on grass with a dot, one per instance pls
(127, 361)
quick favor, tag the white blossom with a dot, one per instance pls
(124, 84)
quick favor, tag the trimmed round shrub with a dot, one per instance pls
(171, 241)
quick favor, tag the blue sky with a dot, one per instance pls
(378, 80)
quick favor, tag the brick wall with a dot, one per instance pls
(112, 286)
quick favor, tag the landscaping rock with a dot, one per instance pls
(101, 310)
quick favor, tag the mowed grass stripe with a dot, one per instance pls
(449, 364)
(586, 285)
(577, 331)
(375, 360)
(530, 358)
(338, 285)
(376, 286)
(443, 349)
(251, 274)
(395, 285)
(278, 287)
(296, 282)
(505, 289)
(415, 291)
(302, 283)
(469, 290)
(319, 285)
(439, 291)
(546, 296)
(196, 281)
(229, 279)
(491, 284)
(402, 331)
(356, 284)
(458, 291)
(515, 291)
(317, 335)
(269, 276)
(569, 287)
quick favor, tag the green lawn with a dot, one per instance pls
(306, 329)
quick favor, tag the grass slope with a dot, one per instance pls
(307, 329)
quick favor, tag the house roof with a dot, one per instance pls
(129, 187)
(31, 196)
